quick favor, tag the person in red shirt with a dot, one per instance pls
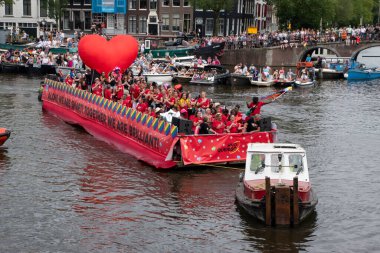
(255, 106)
(69, 80)
(128, 101)
(197, 120)
(218, 126)
(202, 101)
(142, 106)
(157, 97)
(108, 92)
(97, 88)
(119, 91)
(233, 126)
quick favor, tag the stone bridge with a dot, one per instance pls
(288, 57)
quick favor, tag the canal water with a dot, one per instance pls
(62, 190)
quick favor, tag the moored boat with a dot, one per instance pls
(158, 77)
(13, 67)
(240, 79)
(212, 75)
(279, 173)
(304, 83)
(4, 135)
(363, 74)
(152, 140)
(262, 83)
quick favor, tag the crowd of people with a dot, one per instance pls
(166, 101)
(300, 37)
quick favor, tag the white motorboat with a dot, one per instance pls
(279, 172)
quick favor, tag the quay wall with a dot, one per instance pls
(288, 57)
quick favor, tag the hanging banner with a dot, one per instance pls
(202, 149)
(154, 135)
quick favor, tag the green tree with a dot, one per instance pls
(55, 9)
(216, 6)
(309, 13)
(2, 2)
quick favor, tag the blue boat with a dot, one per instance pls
(363, 74)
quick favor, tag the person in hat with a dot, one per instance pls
(183, 114)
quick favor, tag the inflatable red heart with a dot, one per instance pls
(103, 56)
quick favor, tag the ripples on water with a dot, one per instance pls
(61, 190)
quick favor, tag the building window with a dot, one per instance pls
(87, 2)
(142, 25)
(132, 6)
(27, 8)
(209, 26)
(166, 3)
(9, 9)
(77, 2)
(186, 3)
(120, 21)
(87, 20)
(132, 23)
(143, 4)
(152, 19)
(221, 27)
(153, 4)
(186, 23)
(43, 11)
(77, 21)
(176, 19)
(176, 3)
(66, 19)
(165, 22)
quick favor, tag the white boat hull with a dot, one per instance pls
(262, 83)
(304, 84)
(158, 78)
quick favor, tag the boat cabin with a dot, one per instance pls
(280, 162)
(277, 161)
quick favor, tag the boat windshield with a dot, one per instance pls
(257, 162)
(295, 162)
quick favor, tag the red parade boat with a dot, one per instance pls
(278, 173)
(149, 139)
(4, 135)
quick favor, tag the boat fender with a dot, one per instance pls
(241, 177)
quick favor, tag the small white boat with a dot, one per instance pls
(262, 83)
(271, 170)
(158, 78)
(306, 83)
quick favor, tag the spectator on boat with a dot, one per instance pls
(183, 102)
(308, 58)
(252, 124)
(183, 114)
(204, 128)
(209, 60)
(216, 61)
(97, 87)
(69, 80)
(128, 101)
(254, 107)
(141, 106)
(119, 91)
(203, 102)
(217, 125)
(108, 92)
(282, 73)
(197, 120)
(232, 125)
(290, 75)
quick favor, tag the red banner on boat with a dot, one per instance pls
(202, 149)
(152, 133)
